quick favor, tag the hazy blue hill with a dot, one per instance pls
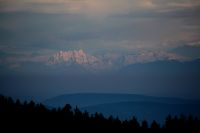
(166, 68)
(174, 77)
(88, 99)
(144, 110)
(159, 78)
(187, 51)
(127, 105)
(43, 69)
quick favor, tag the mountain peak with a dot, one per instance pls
(106, 62)
(77, 57)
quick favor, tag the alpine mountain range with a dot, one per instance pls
(108, 61)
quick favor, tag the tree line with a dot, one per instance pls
(32, 115)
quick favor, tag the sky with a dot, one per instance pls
(34, 30)
(45, 26)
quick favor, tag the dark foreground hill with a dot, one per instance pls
(28, 115)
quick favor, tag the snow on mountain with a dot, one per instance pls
(78, 57)
(106, 61)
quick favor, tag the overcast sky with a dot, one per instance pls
(46, 26)
(34, 30)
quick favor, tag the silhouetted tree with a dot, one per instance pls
(125, 124)
(117, 122)
(155, 125)
(36, 115)
(110, 119)
(144, 124)
(169, 122)
(31, 106)
(134, 123)
(67, 108)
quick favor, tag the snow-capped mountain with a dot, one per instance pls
(77, 57)
(106, 61)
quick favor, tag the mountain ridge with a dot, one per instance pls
(107, 61)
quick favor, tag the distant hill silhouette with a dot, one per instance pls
(160, 78)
